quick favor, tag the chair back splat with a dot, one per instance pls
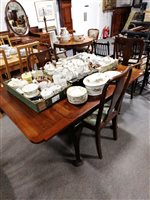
(24, 51)
(128, 50)
(39, 59)
(102, 49)
(4, 39)
(107, 111)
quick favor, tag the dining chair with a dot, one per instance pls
(147, 71)
(5, 68)
(106, 111)
(130, 51)
(92, 33)
(4, 39)
(102, 48)
(24, 51)
(39, 59)
(57, 52)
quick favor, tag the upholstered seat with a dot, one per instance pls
(91, 119)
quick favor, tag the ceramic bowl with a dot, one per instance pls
(30, 90)
(77, 95)
(94, 83)
(78, 38)
(64, 38)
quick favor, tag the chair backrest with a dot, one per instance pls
(4, 38)
(53, 38)
(128, 50)
(39, 59)
(120, 84)
(101, 49)
(4, 69)
(24, 51)
(94, 33)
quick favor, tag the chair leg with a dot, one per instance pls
(98, 144)
(145, 79)
(76, 141)
(114, 126)
(133, 86)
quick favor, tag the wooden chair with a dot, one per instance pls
(102, 49)
(147, 71)
(92, 33)
(39, 59)
(57, 53)
(24, 51)
(4, 39)
(105, 113)
(5, 69)
(129, 51)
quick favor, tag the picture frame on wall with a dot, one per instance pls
(109, 4)
(45, 9)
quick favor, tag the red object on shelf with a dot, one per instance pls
(105, 32)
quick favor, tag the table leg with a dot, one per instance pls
(74, 51)
(76, 141)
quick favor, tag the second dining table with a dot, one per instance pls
(74, 45)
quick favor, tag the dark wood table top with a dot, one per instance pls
(72, 44)
(38, 127)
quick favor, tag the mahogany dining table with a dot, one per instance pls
(39, 127)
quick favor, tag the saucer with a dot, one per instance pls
(111, 74)
(33, 95)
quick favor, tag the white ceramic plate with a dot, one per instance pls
(33, 95)
(111, 74)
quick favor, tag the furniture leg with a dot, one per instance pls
(145, 80)
(114, 126)
(133, 88)
(76, 141)
(98, 144)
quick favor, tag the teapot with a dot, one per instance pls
(63, 31)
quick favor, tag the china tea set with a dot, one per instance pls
(65, 36)
(55, 78)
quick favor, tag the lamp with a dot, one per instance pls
(44, 18)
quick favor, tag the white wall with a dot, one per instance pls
(29, 8)
(96, 18)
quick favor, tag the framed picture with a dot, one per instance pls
(45, 9)
(109, 4)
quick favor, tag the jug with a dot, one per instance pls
(63, 31)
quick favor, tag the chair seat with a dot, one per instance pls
(91, 119)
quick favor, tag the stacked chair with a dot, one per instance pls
(130, 51)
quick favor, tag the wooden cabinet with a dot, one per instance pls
(119, 18)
